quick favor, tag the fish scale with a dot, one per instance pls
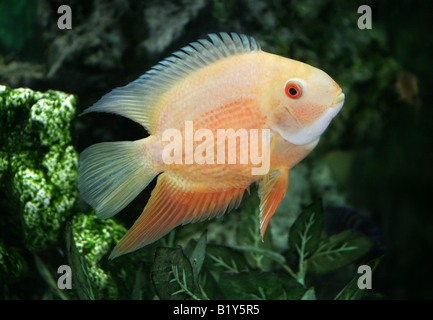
(235, 115)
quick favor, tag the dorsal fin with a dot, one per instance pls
(138, 100)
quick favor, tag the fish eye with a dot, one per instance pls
(293, 89)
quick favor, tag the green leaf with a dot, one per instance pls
(49, 279)
(80, 274)
(310, 294)
(248, 232)
(209, 287)
(140, 280)
(271, 256)
(260, 286)
(248, 227)
(338, 251)
(172, 275)
(224, 259)
(352, 291)
(274, 256)
(197, 257)
(304, 236)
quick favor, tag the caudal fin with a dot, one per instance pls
(112, 174)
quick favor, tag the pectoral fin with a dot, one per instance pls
(272, 190)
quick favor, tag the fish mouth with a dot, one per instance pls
(338, 102)
(335, 107)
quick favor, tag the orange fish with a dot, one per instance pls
(276, 107)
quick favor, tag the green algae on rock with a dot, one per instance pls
(94, 238)
(38, 163)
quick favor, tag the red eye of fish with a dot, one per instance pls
(293, 90)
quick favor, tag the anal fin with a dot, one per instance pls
(169, 206)
(272, 190)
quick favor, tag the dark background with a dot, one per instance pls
(385, 137)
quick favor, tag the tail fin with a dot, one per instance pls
(112, 174)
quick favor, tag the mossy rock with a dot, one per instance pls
(38, 163)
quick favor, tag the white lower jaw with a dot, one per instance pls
(311, 133)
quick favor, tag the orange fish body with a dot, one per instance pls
(193, 104)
